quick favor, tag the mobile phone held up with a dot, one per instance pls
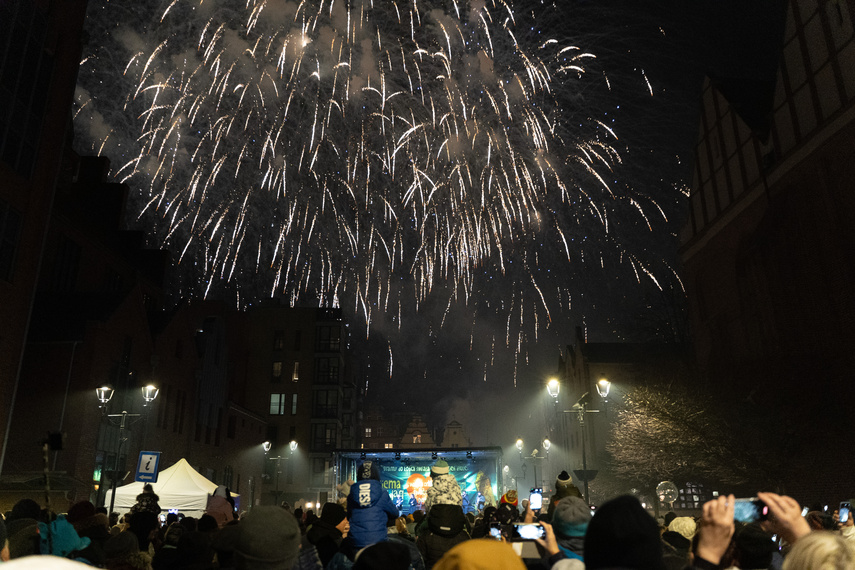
(495, 530)
(750, 510)
(844, 512)
(526, 531)
(535, 499)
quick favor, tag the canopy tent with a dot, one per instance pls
(179, 487)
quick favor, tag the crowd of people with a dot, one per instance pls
(365, 530)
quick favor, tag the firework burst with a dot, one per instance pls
(363, 154)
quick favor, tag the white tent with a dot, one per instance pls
(179, 487)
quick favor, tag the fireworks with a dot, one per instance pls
(363, 154)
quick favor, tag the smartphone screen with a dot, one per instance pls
(750, 510)
(526, 531)
(844, 511)
(535, 499)
(495, 531)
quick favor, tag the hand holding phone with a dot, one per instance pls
(844, 512)
(750, 510)
(535, 499)
(526, 531)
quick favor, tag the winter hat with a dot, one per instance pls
(510, 498)
(333, 513)
(385, 555)
(506, 513)
(368, 470)
(84, 516)
(571, 517)
(60, 539)
(623, 535)
(25, 509)
(481, 554)
(440, 467)
(563, 480)
(685, 526)
(269, 539)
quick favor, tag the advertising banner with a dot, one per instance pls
(407, 481)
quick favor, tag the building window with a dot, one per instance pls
(323, 436)
(329, 339)
(326, 370)
(294, 405)
(367, 432)
(321, 470)
(326, 404)
(276, 372)
(277, 404)
(279, 340)
(417, 438)
(295, 375)
(389, 446)
(10, 228)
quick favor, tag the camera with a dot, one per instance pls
(750, 510)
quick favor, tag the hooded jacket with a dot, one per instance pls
(369, 507)
(444, 490)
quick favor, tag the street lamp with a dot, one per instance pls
(553, 387)
(519, 445)
(603, 388)
(105, 394)
(546, 445)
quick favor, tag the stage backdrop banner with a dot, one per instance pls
(407, 481)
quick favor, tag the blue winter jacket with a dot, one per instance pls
(369, 507)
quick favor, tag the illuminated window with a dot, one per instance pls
(367, 432)
(417, 438)
(389, 446)
(295, 375)
(276, 372)
(277, 404)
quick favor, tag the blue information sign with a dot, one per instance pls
(147, 466)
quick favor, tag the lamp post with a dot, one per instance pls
(581, 409)
(292, 447)
(105, 394)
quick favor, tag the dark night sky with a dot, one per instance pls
(466, 362)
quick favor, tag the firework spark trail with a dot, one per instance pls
(366, 152)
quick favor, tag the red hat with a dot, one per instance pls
(510, 498)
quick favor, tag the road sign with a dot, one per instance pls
(147, 466)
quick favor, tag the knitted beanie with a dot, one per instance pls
(440, 467)
(571, 517)
(481, 554)
(385, 555)
(510, 498)
(269, 538)
(563, 480)
(333, 513)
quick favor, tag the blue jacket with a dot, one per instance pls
(369, 506)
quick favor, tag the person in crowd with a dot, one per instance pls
(480, 554)
(122, 552)
(369, 508)
(224, 545)
(753, 548)
(147, 501)
(570, 519)
(91, 524)
(268, 539)
(327, 533)
(820, 550)
(677, 542)
(481, 527)
(446, 529)
(221, 506)
(510, 498)
(564, 487)
(168, 556)
(386, 555)
(145, 525)
(22, 528)
(444, 489)
(623, 535)
(401, 529)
